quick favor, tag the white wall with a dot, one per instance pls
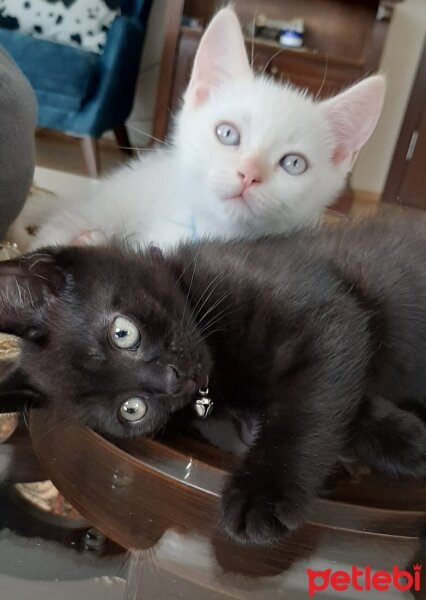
(400, 59)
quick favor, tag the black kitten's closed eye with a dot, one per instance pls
(124, 334)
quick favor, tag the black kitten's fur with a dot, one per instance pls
(321, 336)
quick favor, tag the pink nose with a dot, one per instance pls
(249, 174)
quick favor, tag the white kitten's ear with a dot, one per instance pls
(353, 115)
(221, 57)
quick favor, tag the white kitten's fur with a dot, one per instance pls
(186, 190)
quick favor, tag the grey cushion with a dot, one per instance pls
(17, 125)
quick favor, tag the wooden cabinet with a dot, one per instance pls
(320, 74)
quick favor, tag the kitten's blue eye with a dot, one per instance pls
(294, 164)
(228, 134)
(132, 410)
(124, 334)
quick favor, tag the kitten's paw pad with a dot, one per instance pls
(89, 237)
(255, 517)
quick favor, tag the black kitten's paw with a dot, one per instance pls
(391, 440)
(258, 515)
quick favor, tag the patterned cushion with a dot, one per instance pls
(82, 23)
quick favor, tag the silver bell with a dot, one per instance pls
(203, 407)
(203, 404)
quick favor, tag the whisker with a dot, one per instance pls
(209, 333)
(215, 305)
(253, 29)
(184, 270)
(137, 148)
(207, 298)
(216, 318)
(25, 416)
(272, 58)
(190, 284)
(214, 321)
(148, 135)
(323, 79)
(49, 431)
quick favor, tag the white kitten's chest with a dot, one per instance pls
(178, 207)
(181, 220)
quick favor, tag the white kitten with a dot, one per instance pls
(248, 157)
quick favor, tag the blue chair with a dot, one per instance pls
(82, 93)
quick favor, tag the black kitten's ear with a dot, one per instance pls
(28, 286)
(155, 252)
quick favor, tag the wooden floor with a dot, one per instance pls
(63, 153)
(365, 203)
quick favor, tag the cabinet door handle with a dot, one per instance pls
(412, 146)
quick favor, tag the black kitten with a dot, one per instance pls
(308, 334)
